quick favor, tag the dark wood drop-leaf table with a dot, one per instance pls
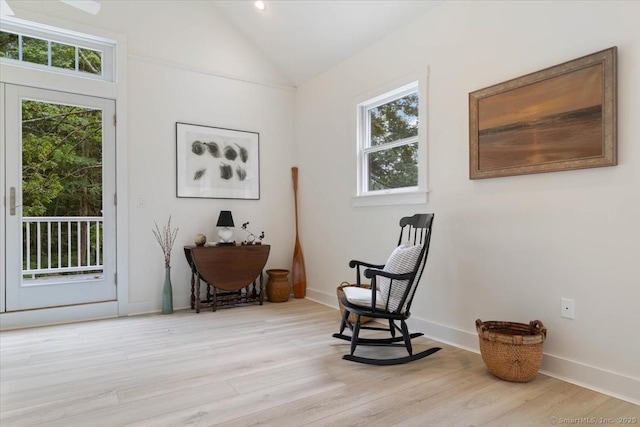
(233, 274)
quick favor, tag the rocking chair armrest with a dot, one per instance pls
(371, 272)
(355, 263)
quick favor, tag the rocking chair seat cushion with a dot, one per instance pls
(362, 297)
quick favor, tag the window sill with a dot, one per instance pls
(390, 199)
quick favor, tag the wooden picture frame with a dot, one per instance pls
(559, 118)
(217, 163)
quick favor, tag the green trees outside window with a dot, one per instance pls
(61, 160)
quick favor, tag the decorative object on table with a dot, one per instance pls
(340, 294)
(166, 237)
(251, 238)
(298, 273)
(225, 220)
(217, 163)
(560, 118)
(512, 351)
(278, 288)
(200, 239)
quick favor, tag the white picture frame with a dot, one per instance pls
(217, 163)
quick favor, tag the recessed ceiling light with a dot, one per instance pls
(260, 5)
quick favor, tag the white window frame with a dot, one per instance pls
(51, 34)
(395, 196)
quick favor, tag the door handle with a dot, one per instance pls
(12, 201)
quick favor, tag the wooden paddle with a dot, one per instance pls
(298, 274)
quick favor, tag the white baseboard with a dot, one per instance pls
(597, 379)
(58, 315)
(140, 308)
(74, 313)
(594, 378)
(323, 298)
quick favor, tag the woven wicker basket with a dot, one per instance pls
(352, 317)
(278, 287)
(512, 351)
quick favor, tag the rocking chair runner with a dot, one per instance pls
(393, 286)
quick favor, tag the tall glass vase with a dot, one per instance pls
(167, 293)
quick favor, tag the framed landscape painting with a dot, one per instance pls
(217, 163)
(560, 118)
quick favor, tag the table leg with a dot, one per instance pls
(198, 294)
(193, 284)
(261, 289)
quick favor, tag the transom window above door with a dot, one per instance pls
(42, 47)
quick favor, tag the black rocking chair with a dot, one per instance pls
(393, 286)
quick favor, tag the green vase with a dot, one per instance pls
(167, 293)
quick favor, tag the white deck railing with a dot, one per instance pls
(61, 245)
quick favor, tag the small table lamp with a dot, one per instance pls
(225, 220)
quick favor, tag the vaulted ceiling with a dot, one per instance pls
(307, 37)
(302, 38)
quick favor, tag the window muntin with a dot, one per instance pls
(388, 142)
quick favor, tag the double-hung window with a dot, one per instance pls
(388, 143)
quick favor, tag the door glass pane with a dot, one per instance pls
(35, 50)
(61, 189)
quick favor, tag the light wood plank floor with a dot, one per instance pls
(271, 365)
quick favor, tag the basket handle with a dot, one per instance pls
(478, 325)
(343, 285)
(537, 327)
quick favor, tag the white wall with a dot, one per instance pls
(186, 64)
(504, 248)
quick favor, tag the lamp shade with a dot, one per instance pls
(225, 219)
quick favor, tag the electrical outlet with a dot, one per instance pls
(566, 308)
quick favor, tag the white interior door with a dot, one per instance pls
(51, 259)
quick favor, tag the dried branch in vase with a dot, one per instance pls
(166, 237)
